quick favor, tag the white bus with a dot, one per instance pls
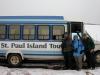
(35, 37)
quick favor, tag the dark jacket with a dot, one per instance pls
(66, 45)
(89, 44)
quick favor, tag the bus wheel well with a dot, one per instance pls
(13, 54)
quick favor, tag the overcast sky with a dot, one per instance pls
(72, 10)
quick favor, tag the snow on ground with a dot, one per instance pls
(41, 71)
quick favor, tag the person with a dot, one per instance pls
(67, 50)
(89, 51)
(78, 51)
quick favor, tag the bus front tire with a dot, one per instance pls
(97, 57)
(14, 60)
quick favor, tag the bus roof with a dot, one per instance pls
(33, 17)
(32, 20)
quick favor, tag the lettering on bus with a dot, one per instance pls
(4, 45)
(54, 46)
(29, 45)
(33, 45)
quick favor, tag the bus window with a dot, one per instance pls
(2, 31)
(28, 32)
(43, 32)
(58, 32)
(14, 32)
(76, 27)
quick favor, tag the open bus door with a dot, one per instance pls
(76, 28)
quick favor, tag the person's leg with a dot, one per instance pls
(80, 62)
(92, 61)
(88, 59)
(70, 63)
(65, 59)
(76, 61)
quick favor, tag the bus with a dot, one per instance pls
(35, 38)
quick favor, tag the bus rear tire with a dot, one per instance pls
(14, 60)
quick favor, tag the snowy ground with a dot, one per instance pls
(42, 71)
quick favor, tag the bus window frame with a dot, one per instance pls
(18, 34)
(38, 32)
(62, 35)
(34, 33)
(5, 33)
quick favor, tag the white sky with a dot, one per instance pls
(72, 10)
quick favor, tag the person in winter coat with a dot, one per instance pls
(67, 50)
(78, 52)
(89, 48)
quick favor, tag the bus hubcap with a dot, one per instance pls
(14, 60)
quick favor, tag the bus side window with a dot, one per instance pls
(76, 27)
(14, 32)
(29, 32)
(43, 32)
(2, 31)
(58, 32)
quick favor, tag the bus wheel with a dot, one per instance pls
(97, 57)
(14, 60)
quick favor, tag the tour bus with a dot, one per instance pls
(36, 38)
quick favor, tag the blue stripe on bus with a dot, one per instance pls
(44, 20)
(42, 53)
(2, 51)
(33, 22)
(2, 54)
(31, 17)
(38, 53)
